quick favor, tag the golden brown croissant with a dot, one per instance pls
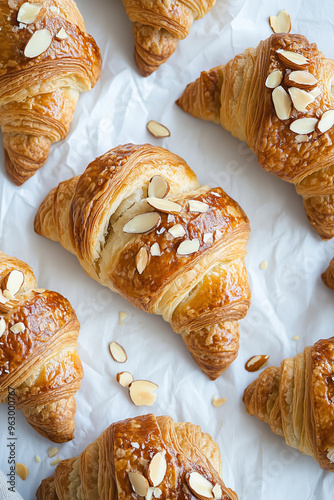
(158, 26)
(40, 369)
(147, 456)
(181, 257)
(328, 276)
(46, 60)
(249, 94)
(297, 401)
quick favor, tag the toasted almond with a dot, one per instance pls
(141, 392)
(157, 493)
(218, 402)
(280, 23)
(264, 265)
(124, 378)
(13, 281)
(2, 326)
(135, 445)
(282, 103)
(157, 469)
(300, 98)
(61, 35)
(8, 294)
(303, 125)
(22, 471)
(188, 247)
(117, 352)
(55, 461)
(326, 121)
(18, 328)
(38, 43)
(315, 92)
(6, 306)
(157, 129)
(141, 260)
(139, 483)
(28, 12)
(274, 79)
(177, 231)
(142, 223)
(158, 187)
(301, 79)
(255, 363)
(53, 451)
(199, 485)
(292, 60)
(207, 237)
(155, 250)
(301, 138)
(163, 205)
(198, 206)
(217, 491)
(121, 317)
(37, 459)
(273, 23)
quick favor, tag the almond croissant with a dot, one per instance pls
(159, 25)
(181, 257)
(328, 276)
(297, 401)
(46, 60)
(40, 369)
(147, 456)
(278, 98)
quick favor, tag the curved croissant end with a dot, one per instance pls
(296, 400)
(40, 370)
(202, 291)
(328, 276)
(103, 470)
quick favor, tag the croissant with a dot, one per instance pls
(46, 60)
(40, 369)
(147, 456)
(181, 257)
(278, 99)
(158, 26)
(297, 401)
(328, 276)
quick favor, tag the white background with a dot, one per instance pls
(289, 298)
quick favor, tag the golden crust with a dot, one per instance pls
(203, 294)
(328, 276)
(184, 446)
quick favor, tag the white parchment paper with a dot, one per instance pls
(289, 297)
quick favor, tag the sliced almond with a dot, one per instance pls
(2, 326)
(13, 281)
(177, 231)
(139, 483)
(117, 352)
(28, 12)
(300, 98)
(199, 486)
(141, 392)
(274, 79)
(217, 491)
(150, 492)
(301, 79)
(301, 138)
(124, 378)
(155, 250)
(292, 60)
(18, 328)
(157, 129)
(6, 305)
(142, 223)
(188, 247)
(157, 493)
(217, 195)
(218, 402)
(141, 260)
(207, 237)
(8, 295)
(56, 461)
(157, 469)
(158, 187)
(22, 471)
(61, 35)
(255, 363)
(121, 317)
(296, 337)
(326, 121)
(303, 125)
(280, 23)
(315, 92)
(37, 459)
(282, 103)
(264, 265)
(198, 206)
(38, 43)
(53, 451)
(218, 234)
(163, 205)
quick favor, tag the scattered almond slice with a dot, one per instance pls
(315, 92)
(158, 130)
(187, 247)
(217, 402)
(141, 260)
(264, 265)
(164, 205)
(155, 250)
(292, 60)
(141, 392)
(280, 23)
(53, 451)
(303, 125)
(149, 494)
(157, 493)
(3, 299)
(301, 138)
(2, 326)
(199, 486)
(301, 79)
(6, 305)
(13, 282)
(38, 43)
(8, 294)
(218, 234)
(158, 187)
(142, 223)
(55, 461)
(255, 363)
(282, 103)
(28, 12)
(18, 328)
(207, 237)
(61, 35)
(117, 352)
(296, 337)
(37, 459)
(274, 79)
(124, 378)
(198, 206)
(217, 491)
(177, 231)
(300, 98)
(135, 445)
(326, 121)
(157, 469)
(139, 483)
(22, 471)
(121, 317)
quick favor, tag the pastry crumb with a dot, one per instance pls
(37, 459)
(296, 337)
(264, 265)
(121, 317)
(217, 402)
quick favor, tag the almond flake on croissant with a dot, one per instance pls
(181, 256)
(328, 276)
(266, 97)
(40, 369)
(39, 91)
